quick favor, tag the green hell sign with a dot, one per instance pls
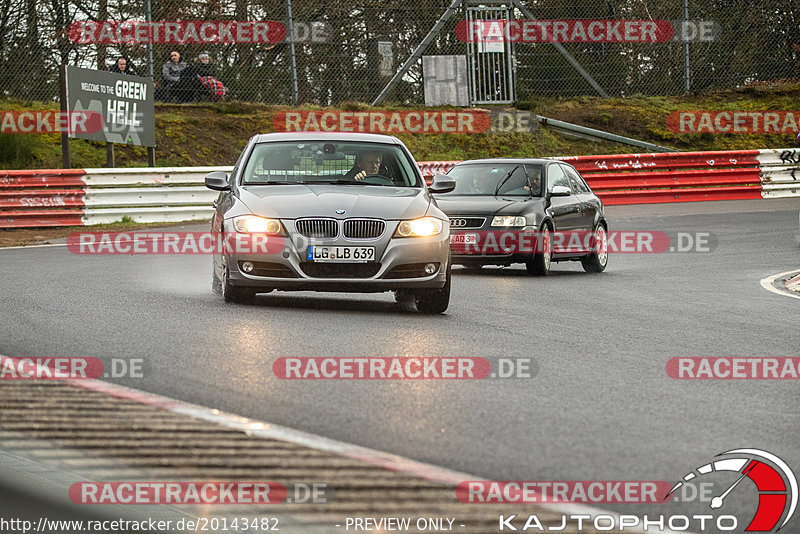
(124, 102)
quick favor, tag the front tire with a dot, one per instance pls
(539, 264)
(235, 294)
(596, 261)
(433, 301)
(216, 283)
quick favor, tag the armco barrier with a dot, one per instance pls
(671, 177)
(98, 196)
(780, 172)
(95, 196)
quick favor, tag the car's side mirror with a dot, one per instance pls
(218, 181)
(560, 191)
(442, 183)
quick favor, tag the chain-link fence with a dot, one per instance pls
(348, 50)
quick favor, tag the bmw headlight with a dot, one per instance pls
(251, 224)
(508, 220)
(422, 227)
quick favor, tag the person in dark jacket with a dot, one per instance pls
(122, 66)
(171, 71)
(171, 74)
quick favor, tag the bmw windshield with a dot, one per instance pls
(345, 163)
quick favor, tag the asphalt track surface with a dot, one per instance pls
(601, 406)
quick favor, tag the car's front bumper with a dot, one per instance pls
(400, 265)
(495, 246)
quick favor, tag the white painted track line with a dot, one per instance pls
(767, 283)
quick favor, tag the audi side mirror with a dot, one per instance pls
(560, 191)
(442, 183)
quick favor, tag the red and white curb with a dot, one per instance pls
(256, 428)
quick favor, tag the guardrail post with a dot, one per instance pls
(110, 155)
(66, 161)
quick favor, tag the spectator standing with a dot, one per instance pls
(171, 75)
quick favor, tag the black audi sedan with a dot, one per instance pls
(531, 211)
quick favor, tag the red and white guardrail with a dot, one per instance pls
(61, 197)
(96, 196)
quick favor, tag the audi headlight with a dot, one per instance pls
(251, 224)
(508, 220)
(422, 227)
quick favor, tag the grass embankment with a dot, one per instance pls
(214, 134)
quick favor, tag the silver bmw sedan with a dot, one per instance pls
(330, 212)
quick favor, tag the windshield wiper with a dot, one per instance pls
(502, 182)
(343, 182)
(275, 182)
(528, 179)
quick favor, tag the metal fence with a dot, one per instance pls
(348, 50)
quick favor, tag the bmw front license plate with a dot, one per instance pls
(341, 254)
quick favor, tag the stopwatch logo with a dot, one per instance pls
(776, 483)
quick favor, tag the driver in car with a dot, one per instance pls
(483, 182)
(366, 163)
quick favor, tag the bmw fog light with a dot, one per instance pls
(247, 266)
(430, 268)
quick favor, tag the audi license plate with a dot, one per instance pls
(341, 254)
(464, 239)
